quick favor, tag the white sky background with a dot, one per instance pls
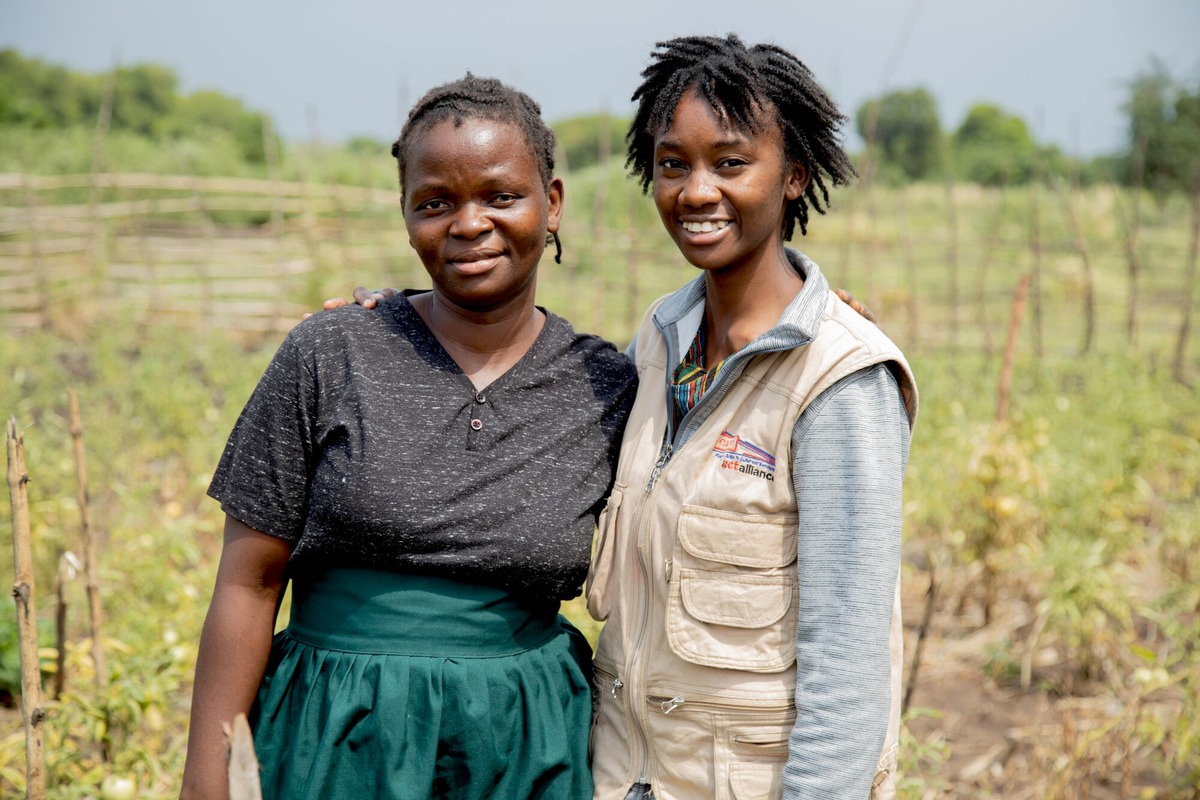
(355, 67)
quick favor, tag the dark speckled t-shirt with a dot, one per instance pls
(364, 444)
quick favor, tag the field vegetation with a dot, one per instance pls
(1052, 571)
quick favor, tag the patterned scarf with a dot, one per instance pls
(691, 380)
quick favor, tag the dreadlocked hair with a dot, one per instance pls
(742, 84)
(485, 98)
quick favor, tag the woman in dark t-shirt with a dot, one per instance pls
(428, 476)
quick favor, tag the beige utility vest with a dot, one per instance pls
(695, 574)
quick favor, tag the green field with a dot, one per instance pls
(1074, 522)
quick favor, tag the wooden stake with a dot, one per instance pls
(1036, 246)
(910, 255)
(90, 551)
(1089, 280)
(60, 626)
(35, 252)
(244, 783)
(952, 261)
(32, 712)
(1189, 288)
(990, 244)
(1010, 348)
(930, 601)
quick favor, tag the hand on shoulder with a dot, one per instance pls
(367, 298)
(850, 300)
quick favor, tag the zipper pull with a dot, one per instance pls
(675, 702)
(617, 684)
(658, 466)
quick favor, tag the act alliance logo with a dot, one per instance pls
(737, 454)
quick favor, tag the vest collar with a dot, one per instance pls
(681, 312)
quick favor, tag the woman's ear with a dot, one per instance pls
(554, 213)
(797, 182)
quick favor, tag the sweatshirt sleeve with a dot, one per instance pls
(850, 450)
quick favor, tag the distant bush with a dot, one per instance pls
(905, 127)
(144, 101)
(581, 140)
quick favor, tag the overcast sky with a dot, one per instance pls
(344, 68)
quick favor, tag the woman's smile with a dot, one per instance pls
(475, 262)
(705, 233)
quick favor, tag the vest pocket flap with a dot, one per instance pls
(745, 540)
(736, 600)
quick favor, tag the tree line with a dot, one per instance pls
(902, 129)
(992, 147)
(143, 99)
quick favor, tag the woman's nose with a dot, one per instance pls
(470, 222)
(699, 189)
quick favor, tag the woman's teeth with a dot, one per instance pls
(705, 227)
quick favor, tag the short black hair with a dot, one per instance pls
(740, 83)
(487, 98)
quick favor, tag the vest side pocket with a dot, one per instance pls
(733, 596)
(600, 569)
(756, 781)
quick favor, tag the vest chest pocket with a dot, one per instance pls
(733, 598)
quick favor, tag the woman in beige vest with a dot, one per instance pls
(748, 558)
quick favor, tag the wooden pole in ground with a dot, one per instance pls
(99, 159)
(90, 551)
(990, 244)
(244, 782)
(1130, 228)
(926, 619)
(60, 626)
(910, 255)
(1036, 247)
(1189, 288)
(603, 232)
(1010, 348)
(35, 251)
(32, 712)
(952, 261)
(1089, 279)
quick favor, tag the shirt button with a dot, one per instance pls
(479, 398)
(476, 424)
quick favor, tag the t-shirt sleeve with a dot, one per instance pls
(263, 475)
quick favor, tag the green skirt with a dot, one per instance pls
(390, 686)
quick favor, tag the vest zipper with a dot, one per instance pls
(658, 466)
(666, 700)
(636, 671)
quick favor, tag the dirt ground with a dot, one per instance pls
(998, 739)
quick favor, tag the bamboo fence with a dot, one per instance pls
(938, 264)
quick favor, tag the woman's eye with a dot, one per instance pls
(670, 164)
(733, 162)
